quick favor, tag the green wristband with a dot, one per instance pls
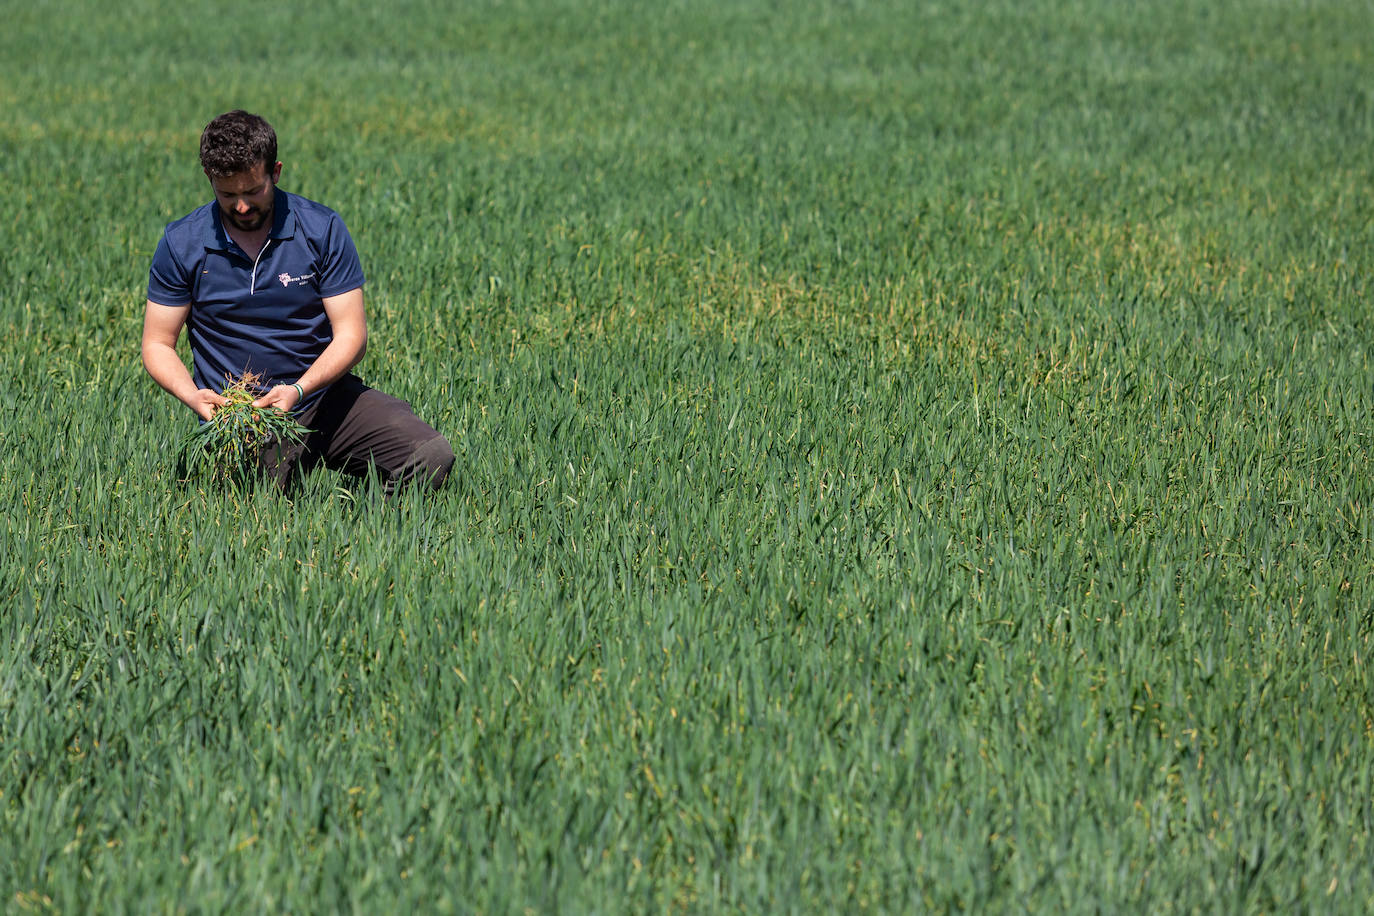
(300, 392)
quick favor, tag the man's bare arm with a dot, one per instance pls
(162, 326)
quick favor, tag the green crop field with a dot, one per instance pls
(911, 456)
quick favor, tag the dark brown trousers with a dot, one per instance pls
(354, 429)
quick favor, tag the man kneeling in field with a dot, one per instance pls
(267, 282)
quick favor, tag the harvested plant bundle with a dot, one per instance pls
(227, 447)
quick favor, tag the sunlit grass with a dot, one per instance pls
(909, 457)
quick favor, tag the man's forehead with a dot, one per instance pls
(241, 182)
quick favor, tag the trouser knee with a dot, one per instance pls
(430, 463)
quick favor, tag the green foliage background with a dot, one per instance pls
(910, 455)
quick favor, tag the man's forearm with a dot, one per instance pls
(167, 369)
(342, 354)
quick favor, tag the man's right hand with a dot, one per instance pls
(204, 402)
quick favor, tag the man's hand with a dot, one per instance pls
(282, 397)
(204, 402)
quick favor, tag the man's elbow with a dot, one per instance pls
(361, 347)
(147, 356)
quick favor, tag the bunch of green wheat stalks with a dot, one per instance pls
(227, 448)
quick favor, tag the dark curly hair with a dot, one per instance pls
(235, 142)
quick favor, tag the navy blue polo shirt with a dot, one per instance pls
(265, 315)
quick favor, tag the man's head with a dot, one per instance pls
(235, 142)
(238, 152)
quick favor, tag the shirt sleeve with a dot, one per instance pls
(342, 271)
(168, 283)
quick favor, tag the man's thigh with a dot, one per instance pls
(357, 427)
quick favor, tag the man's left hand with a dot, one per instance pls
(282, 397)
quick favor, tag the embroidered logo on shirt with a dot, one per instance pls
(286, 279)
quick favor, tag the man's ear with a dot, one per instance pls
(276, 173)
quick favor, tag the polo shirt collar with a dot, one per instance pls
(283, 222)
(283, 216)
